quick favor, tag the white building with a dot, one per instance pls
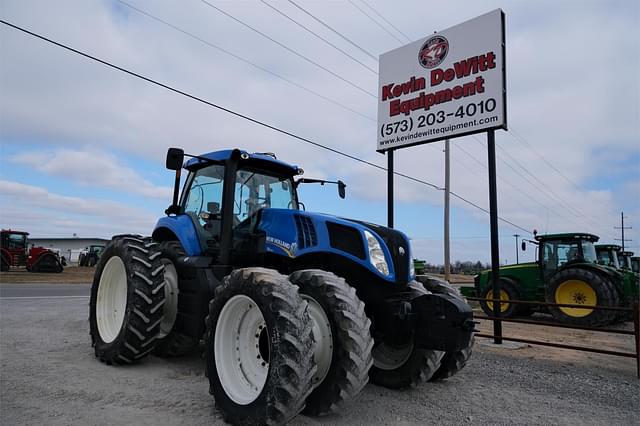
(70, 248)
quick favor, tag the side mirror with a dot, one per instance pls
(524, 246)
(175, 158)
(341, 187)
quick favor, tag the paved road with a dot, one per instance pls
(42, 291)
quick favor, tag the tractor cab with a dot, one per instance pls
(222, 197)
(608, 255)
(14, 247)
(624, 258)
(635, 264)
(555, 251)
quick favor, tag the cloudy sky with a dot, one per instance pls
(83, 145)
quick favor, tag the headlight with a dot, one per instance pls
(412, 269)
(376, 255)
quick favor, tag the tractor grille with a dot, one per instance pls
(347, 239)
(307, 236)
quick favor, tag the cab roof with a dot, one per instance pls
(568, 236)
(626, 253)
(11, 231)
(263, 161)
(608, 247)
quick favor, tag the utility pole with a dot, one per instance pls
(622, 228)
(517, 259)
(447, 187)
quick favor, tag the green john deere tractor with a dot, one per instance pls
(566, 272)
(608, 255)
(612, 255)
(635, 264)
(624, 258)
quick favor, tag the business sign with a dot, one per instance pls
(449, 84)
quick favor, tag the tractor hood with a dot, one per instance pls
(383, 251)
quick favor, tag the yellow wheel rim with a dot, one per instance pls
(576, 292)
(503, 296)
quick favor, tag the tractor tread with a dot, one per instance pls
(605, 292)
(352, 341)
(141, 321)
(177, 342)
(292, 367)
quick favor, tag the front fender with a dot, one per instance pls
(182, 227)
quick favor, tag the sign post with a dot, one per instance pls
(449, 84)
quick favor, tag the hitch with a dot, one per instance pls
(442, 322)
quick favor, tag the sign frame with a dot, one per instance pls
(430, 139)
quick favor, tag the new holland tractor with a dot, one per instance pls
(297, 310)
(566, 272)
(15, 251)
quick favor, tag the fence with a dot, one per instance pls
(498, 338)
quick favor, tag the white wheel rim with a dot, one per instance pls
(170, 307)
(111, 301)
(387, 357)
(321, 329)
(242, 349)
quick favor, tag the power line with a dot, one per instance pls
(522, 140)
(354, 44)
(518, 137)
(386, 20)
(319, 36)
(288, 49)
(376, 22)
(550, 194)
(577, 212)
(505, 181)
(243, 116)
(246, 61)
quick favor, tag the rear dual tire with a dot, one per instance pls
(126, 302)
(582, 287)
(173, 339)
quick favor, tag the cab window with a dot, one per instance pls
(255, 190)
(205, 193)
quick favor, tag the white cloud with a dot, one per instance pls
(572, 93)
(44, 213)
(91, 168)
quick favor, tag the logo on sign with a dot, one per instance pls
(433, 52)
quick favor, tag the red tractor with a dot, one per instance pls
(14, 252)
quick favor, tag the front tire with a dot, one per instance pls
(343, 341)
(259, 348)
(507, 292)
(403, 365)
(126, 300)
(454, 361)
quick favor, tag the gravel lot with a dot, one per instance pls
(49, 376)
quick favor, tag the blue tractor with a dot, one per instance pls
(297, 310)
